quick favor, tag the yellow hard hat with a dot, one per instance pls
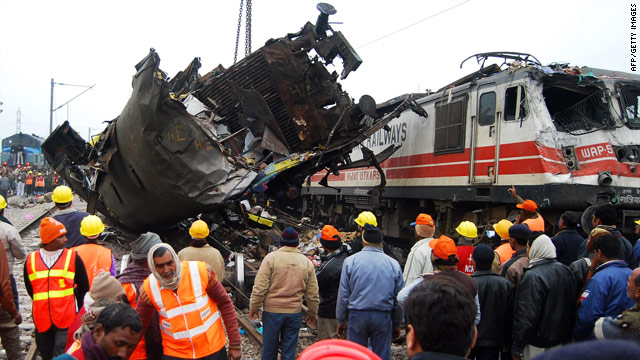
(3, 202)
(467, 229)
(30, 172)
(39, 173)
(502, 228)
(366, 217)
(199, 229)
(62, 194)
(91, 226)
(637, 221)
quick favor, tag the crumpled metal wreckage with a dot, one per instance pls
(194, 144)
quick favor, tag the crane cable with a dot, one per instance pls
(247, 31)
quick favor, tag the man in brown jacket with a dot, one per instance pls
(10, 318)
(282, 280)
(200, 250)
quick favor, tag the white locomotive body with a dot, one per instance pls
(566, 137)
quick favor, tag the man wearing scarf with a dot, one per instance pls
(187, 296)
(132, 278)
(540, 324)
(114, 336)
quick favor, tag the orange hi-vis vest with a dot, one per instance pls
(140, 352)
(40, 182)
(29, 180)
(189, 319)
(54, 301)
(96, 259)
(536, 224)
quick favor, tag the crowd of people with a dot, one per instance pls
(526, 296)
(27, 181)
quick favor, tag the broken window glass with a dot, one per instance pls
(487, 112)
(512, 97)
(577, 110)
(629, 96)
(450, 123)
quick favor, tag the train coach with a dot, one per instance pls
(22, 149)
(566, 137)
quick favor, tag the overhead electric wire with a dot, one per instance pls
(414, 24)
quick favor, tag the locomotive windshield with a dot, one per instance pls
(577, 108)
(629, 96)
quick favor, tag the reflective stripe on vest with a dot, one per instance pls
(189, 319)
(53, 295)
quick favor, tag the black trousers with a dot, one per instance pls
(485, 353)
(51, 342)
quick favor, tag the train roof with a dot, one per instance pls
(22, 137)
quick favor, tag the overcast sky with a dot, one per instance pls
(98, 42)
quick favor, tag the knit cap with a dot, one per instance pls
(519, 231)
(372, 234)
(51, 229)
(330, 238)
(483, 256)
(105, 286)
(140, 247)
(289, 237)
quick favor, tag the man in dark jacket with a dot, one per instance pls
(605, 294)
(328, 276)
(496, 301)
(605, 217)
(544, 303)
(513, 268)
(440, 316)
(63, 198)
(567, 240)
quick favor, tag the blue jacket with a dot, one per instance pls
(71, 220)
(370, 280)
(605, 295)
(636, 251)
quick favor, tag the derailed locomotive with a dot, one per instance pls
(566, 137)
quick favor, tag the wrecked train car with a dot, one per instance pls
(194, 144)
(567, 137)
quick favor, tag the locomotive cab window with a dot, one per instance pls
(450, 126)
(512, 97)
(629, 101)
(487, 111)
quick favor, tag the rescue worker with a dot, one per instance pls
(283, 278)
(188, 295)
(328, 276)
(605, 217)
(365, 217)
(504, 251)
(39, 184)
(495, 294)
(10, 317)
(540, 324)
(13, 246)
(369, 284)
(528, 212)
(419, 258)
(29, 183)
(132, 279)
(3, 205)
(114, 336)
(105, 290)
(605, 293)
(63, 199)
(627, 324)
(200, 250)
(468, 233)
(513, 269)
(56, 280)
(96, 258)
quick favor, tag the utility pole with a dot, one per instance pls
(18, 121)
(52, 110)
